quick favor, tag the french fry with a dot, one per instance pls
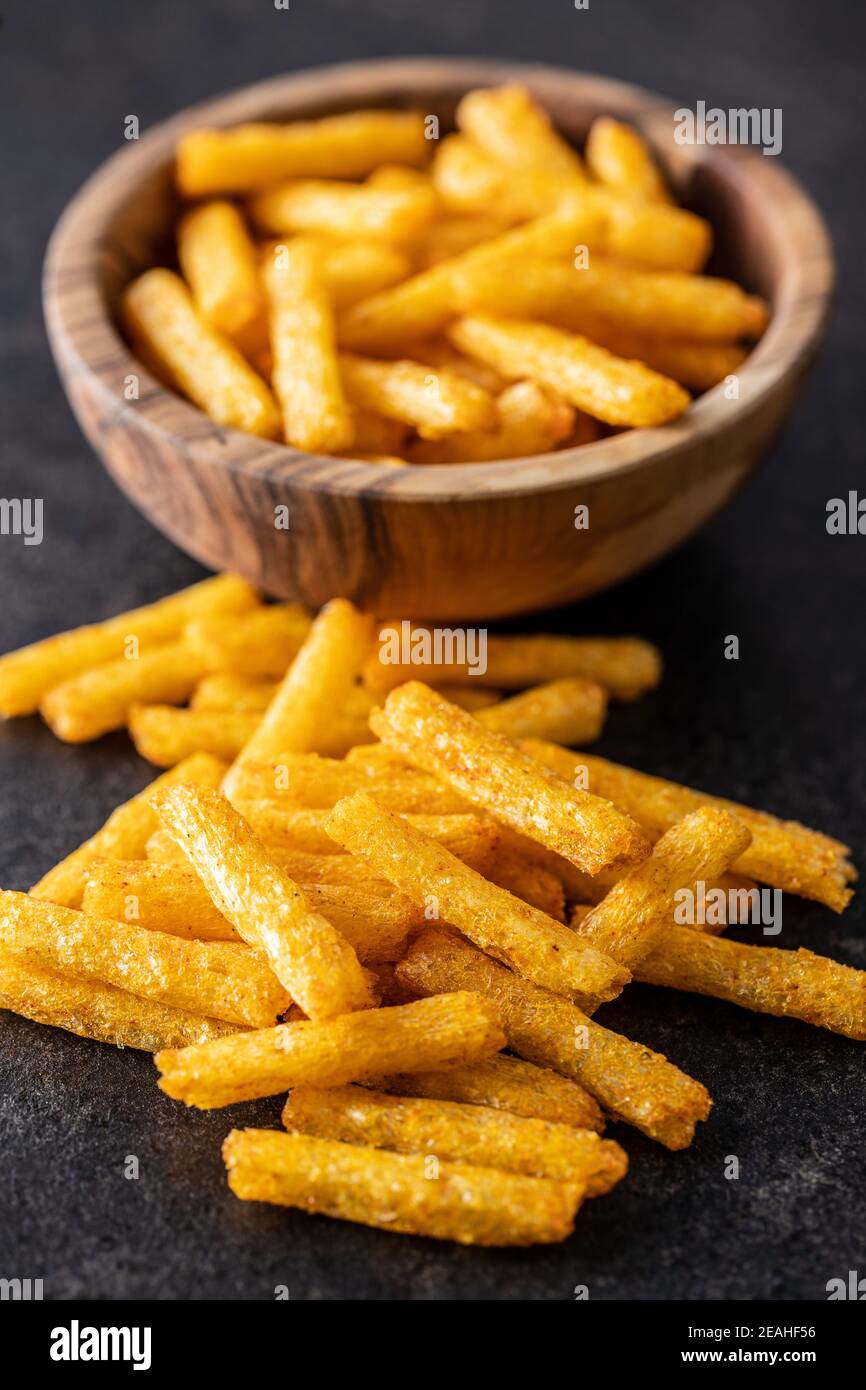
(503, 1083)
(782, 853)
(532, 882)
(629, 922)
(237, 694)
(656, 304)
(125, 834)
(352, 270)
(347, 210)
(457, 1027)
(457, 1133)
(306, 829)
(638, 1086)
(473, 1206)
(574, 706)
(212, 979)
(96, 701)
(165, 735)
(320, 678)
(788, 984)
(305, 377)
(308, 956)
(625, 666)
(219, 262)
(534, 945)
(97, 1011)
(697, 365)
(609, 388)
(259, 644)
(491, 772)
(529, 420)
(251, 157)
(618, 156)
(164, 324)
(514, 130)
(307, 779)
(28, 674)
(435, 401)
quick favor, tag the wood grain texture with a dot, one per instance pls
(441, 541)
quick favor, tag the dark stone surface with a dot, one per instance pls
(781, 728)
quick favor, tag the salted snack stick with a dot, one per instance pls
(697, 365)
(308, 956)
(328, 207)
(788, 984)
(215, 979)
(532, 882)
(261, 643)
(305, 378)
(634, 1084)
(220, 264)
(534, 945)
(224, 690)
(457, 1133)
(502, 1083)
(609, 388)
(574, 706)
(125, 834)
(319, 679)
(28, 674)
(512, 128)
(253, 156)
(492, 772)
(434, 400)
(165, 735)
(166, 327)
(280, 823)
(429, 1033)
(783, 853)
(308, 779)
(96, 701)
(618, 156)
(625, 666)
(529, 420)
(397, 1192)
(99, 1011)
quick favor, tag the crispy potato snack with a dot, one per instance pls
(99, 700)
(162, 321)
(125, 834)
(529, 420)
(395, 215)
(618, 156)
(636, 1085)
(27, 675)
(430, 1033)
(510, 127)
(165, 735)
(214, 979)
(789, 984)
(457, 1133)
(310, 959)
(262, 643)
(530, 881)
(98, 1011)
(238, 694)
(307, 779)
(490, 771)
(574, 706)
(435, 401)
(398, 1192)
(219, 262)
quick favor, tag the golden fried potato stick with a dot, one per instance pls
(634, 916)
(98, 1011)
(638, 1086)
(165, 735)
(426, 1034)
(435, 401)
(782, 853)
(491, 772)
(258, 644)
(125, 834)
(697, 365)
(532, 882)
(573, 705)
(237, 694)
(214, 979)
(787, 984)
(348, 210)
(306, 378)
(536, 946)
(399, 1192)
(619, 157)
(625, 666)
(220, 264)
(609, 388)
(457, 1133)
(166, 328)
(510, 126)
(451, 236)
(659, 304)
(502, 1083)
(308, 779)
(250, 157)
(529, 420)
(29, 673)
(99, 700)
(308, 956)
(319, 680)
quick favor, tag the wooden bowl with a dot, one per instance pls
(444, 541)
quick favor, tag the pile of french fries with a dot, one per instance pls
(356, 289)
(401, 903)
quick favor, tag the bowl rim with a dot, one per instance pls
(86, 341)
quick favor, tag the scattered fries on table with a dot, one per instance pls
(403, 903)
(354, 287)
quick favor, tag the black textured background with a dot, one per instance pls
(781, 728)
